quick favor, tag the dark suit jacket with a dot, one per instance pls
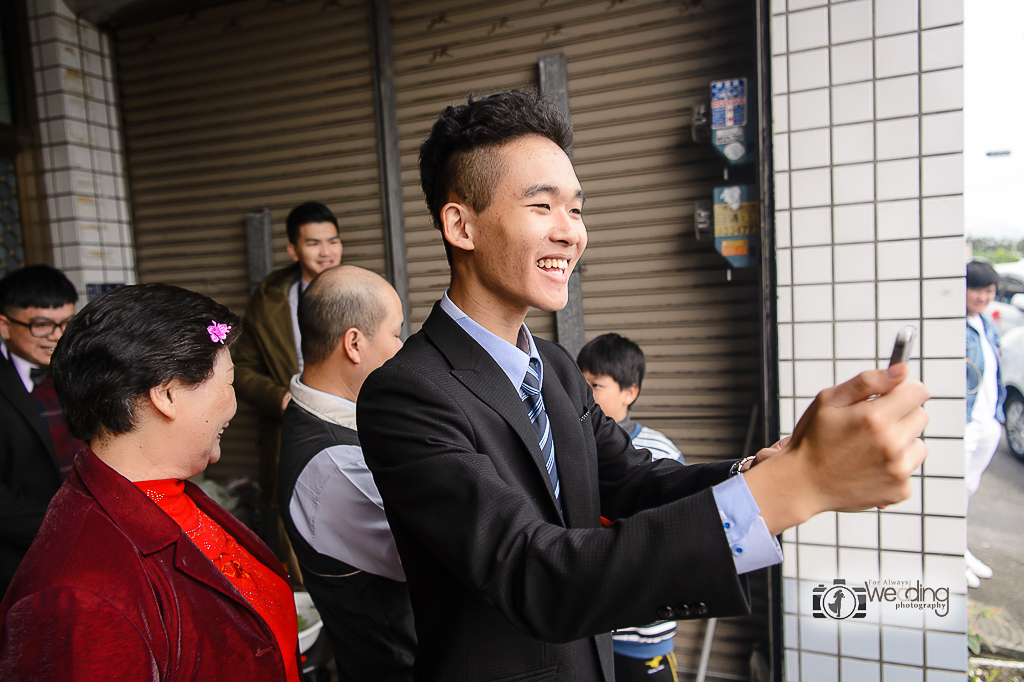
(502, 586)
(28, 471)
(113, 589)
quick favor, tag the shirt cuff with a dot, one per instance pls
(751, 543)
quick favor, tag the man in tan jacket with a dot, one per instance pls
(269, 353)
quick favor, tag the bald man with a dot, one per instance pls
(350, 321)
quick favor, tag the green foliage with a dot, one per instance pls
(999, 255)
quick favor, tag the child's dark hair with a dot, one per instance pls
(981, 275)
(616, 356)
(36, 286)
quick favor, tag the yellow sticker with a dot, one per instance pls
(735, 247)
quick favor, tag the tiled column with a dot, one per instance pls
(868, 135)
(84, 170)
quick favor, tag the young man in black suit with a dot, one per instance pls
(495, 465)
(36, 448)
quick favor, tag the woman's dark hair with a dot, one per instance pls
(128, 341)
(981, 275)
(304, 214)
(616, 356)
(36, 286)
(459, 155)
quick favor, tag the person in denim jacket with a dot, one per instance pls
(985, 393)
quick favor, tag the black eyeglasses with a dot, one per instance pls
(41, 327)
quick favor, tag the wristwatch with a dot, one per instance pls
(743, 465)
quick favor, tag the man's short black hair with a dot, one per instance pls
(459, 157)
(126, 342)
(981, 275)
(616, 356)
(304, 214)
(36, 286)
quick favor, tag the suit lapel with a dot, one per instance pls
(478, 372)
(571, 457)
(14, 390)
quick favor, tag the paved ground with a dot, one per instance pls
(995, 532)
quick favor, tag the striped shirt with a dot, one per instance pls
(655, 441)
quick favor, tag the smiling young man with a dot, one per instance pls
(495, 465)
(36, 448)
(269, 351)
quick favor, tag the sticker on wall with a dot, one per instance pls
(95, 290)
(737, 216)
(729, 120)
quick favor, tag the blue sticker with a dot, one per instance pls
(729, 103)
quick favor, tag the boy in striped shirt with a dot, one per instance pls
(614, 367)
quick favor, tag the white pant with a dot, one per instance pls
(981, 439)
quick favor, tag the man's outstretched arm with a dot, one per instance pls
(848, 452)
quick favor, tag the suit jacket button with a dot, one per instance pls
(683, 611)
(666, 612)
(700, 609)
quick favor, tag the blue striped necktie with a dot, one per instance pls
(534, 402)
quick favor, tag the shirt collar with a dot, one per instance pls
(24, 368)
(512, 360)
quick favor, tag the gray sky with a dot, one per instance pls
(994, 118)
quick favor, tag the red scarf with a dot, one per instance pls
(262, 588)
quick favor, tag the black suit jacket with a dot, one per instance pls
(28, 471)
(504, 587)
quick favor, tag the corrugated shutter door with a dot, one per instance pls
(242, 106)
(636, 67)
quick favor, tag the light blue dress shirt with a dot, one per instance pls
(752, 544)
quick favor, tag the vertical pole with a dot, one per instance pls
(554, 86)
(388, 156)
(259, 246)
(769, 304)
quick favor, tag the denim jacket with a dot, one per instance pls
(976, 366)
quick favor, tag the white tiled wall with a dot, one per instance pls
(84, 170)
(868, 141)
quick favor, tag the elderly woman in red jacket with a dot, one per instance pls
(136, 574)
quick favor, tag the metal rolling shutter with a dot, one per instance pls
(241, 106)
(636, 67)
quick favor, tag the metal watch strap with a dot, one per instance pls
(742, 465)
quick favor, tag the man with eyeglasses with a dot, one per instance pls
(36, 448)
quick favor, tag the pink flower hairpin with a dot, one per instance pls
(218, 332)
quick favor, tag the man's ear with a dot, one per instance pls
(164, 398)
(352, 344)
(630, 394)
(292, 252)
(457, 222)
(5, 327)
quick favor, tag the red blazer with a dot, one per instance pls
(112, 588)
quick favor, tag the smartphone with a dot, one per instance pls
(904, 344)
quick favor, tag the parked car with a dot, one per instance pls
(1006, 316)
(1011, 364)
(1004, 311)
